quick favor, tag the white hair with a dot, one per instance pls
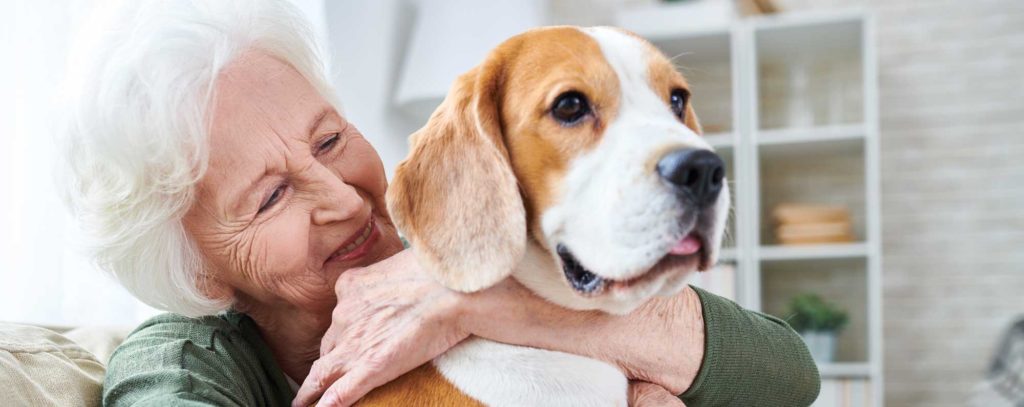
(138, 93)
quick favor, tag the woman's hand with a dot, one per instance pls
(643, 394)
(391, 317)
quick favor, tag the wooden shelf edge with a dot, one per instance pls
(844, 132)
(685, 34)
(844, 370)
(805, 18)
(727, 254)
(817, 251)
(719, 140)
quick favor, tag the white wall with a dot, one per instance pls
(367, 40)
(46, 277)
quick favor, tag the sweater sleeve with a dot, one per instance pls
(172, 360)
(750, 359)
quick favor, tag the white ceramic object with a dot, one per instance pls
(450, 37)
(822, 345)
(662, 20)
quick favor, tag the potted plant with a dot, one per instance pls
(818, 322)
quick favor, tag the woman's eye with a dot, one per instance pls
(570, 107)
(328, 144)
(677, 100)
(272, 199)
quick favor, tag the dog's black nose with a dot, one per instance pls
(697, 173)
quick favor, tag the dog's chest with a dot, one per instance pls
(504, 375)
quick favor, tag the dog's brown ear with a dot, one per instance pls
(691, 120)
(455, 196)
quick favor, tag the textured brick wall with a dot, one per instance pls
(952, 128)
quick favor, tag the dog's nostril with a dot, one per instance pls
(697, 174)
(692, 178)
(718, 176)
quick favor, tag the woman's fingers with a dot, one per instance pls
(644, 394)
(349, 389)
(324, 373)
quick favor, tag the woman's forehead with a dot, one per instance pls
(259, 90)
(264, 114)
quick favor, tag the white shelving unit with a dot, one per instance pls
(777, 153)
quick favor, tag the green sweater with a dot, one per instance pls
(750, 359)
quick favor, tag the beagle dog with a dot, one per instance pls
(572, 161)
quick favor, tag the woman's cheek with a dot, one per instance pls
(285, 244)
(362, 168)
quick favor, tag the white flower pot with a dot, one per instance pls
(822, 345)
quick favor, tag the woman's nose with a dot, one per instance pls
(336, 201)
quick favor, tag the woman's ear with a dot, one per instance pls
(455, 196)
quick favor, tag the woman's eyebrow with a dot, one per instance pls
(318, 120)
(237, 198)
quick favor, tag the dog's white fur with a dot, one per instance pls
(497, 374)
(614, 212)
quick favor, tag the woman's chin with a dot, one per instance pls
(388, 244)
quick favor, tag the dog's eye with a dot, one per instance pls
(570, 107)
(678, 100)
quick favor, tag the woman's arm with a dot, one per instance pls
(391, 318)
(753, 359)
(702, 346)
(181, 361)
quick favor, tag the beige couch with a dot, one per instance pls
(54, 366)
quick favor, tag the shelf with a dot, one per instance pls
(807, 252)
(727, 254)
(811, 134)
(703, 38)
(825, 141)
(691, 49)
(784, 39)
(753, 79)
(719, 140)
(844, 369)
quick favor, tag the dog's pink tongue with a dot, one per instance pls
(689, 245)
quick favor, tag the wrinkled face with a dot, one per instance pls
(624, 197)
(293, 195)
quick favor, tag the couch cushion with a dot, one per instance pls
(42, 367)
(98, 340)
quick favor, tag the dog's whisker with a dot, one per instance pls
(674, 57)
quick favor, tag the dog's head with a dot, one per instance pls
(571, 158)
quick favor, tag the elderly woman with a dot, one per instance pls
(221, 183)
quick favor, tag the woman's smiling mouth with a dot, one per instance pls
(357, 246)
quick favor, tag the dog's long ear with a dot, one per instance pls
(691, 120)
(455, 196)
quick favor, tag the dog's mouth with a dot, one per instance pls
(691, 250)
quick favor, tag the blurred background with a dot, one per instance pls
(875, 150)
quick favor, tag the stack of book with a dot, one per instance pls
(811, 224)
